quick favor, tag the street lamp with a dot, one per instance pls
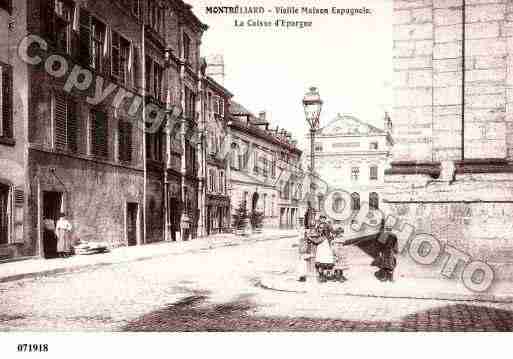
(312, 104)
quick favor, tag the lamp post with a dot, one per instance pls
(312, 104)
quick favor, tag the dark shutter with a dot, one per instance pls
(85, 37)
(99, 134)
(4, 211)
(125, 141)
(115, 54)
(72, 126)
(48, 19)
(19, 204)
(6, 5)
(7, 93)
(60, 115)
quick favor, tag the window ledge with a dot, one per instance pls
(7, 141)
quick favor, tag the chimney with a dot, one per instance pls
(215, 68)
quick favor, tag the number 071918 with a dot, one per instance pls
(33, 348)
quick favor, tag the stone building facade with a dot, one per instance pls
(452, 170)
(217, 209)
(352, 155)
(264, 168)
(85, 150)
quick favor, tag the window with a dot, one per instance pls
(4, 214)
(355, 173)
(6, 90)
(92, 40)
(273, 167)
(64, 13)
(187, 48)
(190, 103)
(373, 145)
(374, 200)
(355, 201)
(255, 165)
(120, 58)
(65, 122)
(154, 145)
(136, 11)
(212, 180)
(265, 204)
(99, 134)
(373, 175)
(155, 16)
(125, 140)
(148, 74)
(158, 74)
(273, 199)
(6, 5)
(265, 167)
(236, 157)
(318, 147)
(221, 182)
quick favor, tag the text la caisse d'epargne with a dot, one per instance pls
(281, 23)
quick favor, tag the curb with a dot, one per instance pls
(454, 297)
(76, 268)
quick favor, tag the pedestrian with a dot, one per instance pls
(324, 258)
(340, 256)
(387, 251)
(63, 231)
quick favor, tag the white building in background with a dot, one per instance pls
(352, 155)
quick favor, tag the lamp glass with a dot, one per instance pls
(312, 104)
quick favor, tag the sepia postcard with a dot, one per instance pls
(178, 166)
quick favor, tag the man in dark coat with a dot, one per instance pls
(387, 251)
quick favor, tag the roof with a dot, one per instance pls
(218, 86)
(237, 109)
(348, 125)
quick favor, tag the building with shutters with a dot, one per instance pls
(216, 200)
(77, 149)
(265, 168)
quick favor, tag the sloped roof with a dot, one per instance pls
(237, 109)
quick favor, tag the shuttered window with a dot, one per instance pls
(64, 13)
(6, 90)
(65, 122)
(4, 217)
(6, 5)
(99, 134)
(92, 41)
(125, 141)
(120, 57)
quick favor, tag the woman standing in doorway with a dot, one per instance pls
(63, 230)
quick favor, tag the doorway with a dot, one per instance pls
(132, 223)
(254, 202)
(52, 204)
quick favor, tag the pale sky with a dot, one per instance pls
(349, 58)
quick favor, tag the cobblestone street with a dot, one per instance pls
(217, 289)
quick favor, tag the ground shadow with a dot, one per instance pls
(196, 313)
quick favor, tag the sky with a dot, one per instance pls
(349, 58)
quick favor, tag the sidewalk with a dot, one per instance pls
(402, 288)
(410, 283)
(16, 270)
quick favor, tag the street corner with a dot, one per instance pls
(437, 289)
